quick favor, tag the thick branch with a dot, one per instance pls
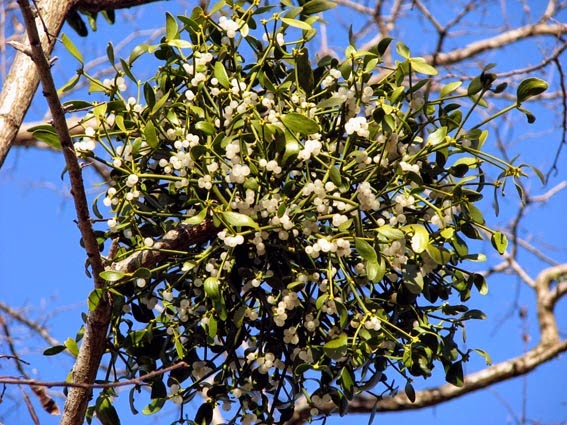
(496, 42)
(177, 239)
(93, 344)
(22, 80)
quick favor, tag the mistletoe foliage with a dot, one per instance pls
(326, 208)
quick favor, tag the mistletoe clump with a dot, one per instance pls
(325, 210)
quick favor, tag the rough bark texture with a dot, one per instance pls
(22, 80)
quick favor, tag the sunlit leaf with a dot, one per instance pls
(112, 275)
(297, 24)
(221, 75)
(530, 87)
(499, 242)
(72, 346)
(300, 123)
(94, 298)
(151, 135)
(154, 406)
(419, 65)
(72, 48)
(238, 219)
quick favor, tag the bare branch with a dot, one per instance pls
(29, 323)
(143, 379)
(498, 41)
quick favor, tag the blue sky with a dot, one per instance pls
(42, 264)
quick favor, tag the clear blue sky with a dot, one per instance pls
(41, 262)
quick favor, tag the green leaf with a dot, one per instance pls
(136, 53)
(530, 87)
(336, 348)
(413, 279)
(291, 149)
(316, 6)
(180, 44)
(390, 233)
(76, 22)
(499, 242)
(212, 287)
(105, 411)
(71, 345)
(529, 115)
(113, 275)
(72, 48)
(76, 105)
(438, 136)
(143, 273)
(419, 65)
(94, 298)
(154, 406)
(410, 391)
(449, 88)
(420, 238)
(56, 349)
(212, 327)
(196, 219)
(300, 123)
(204, 415)
(47, 135)
(473, 314)
(365, 250)
(238, 219)
(221, 75)
(69, 84)
(297, 24)
(151, 135)
(206, 127)
(375, 270)
(127, 71)
(474, 87)
(158, 389)
(171, 27)
(438, 254)
(347, 382)
(402, 50)
(484, 354)
(454, 374)
(335, 176)
(303, 70)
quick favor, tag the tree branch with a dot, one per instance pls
(143, 379)
(93, 344)
(22, 80)
(501, 40)
(177, 239)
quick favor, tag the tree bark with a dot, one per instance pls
(22, 80)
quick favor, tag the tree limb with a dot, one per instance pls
(22, 80)
(93, 343)
(498, 41)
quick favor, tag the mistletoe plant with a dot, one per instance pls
(323, 211)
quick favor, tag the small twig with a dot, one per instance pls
(141, 380)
